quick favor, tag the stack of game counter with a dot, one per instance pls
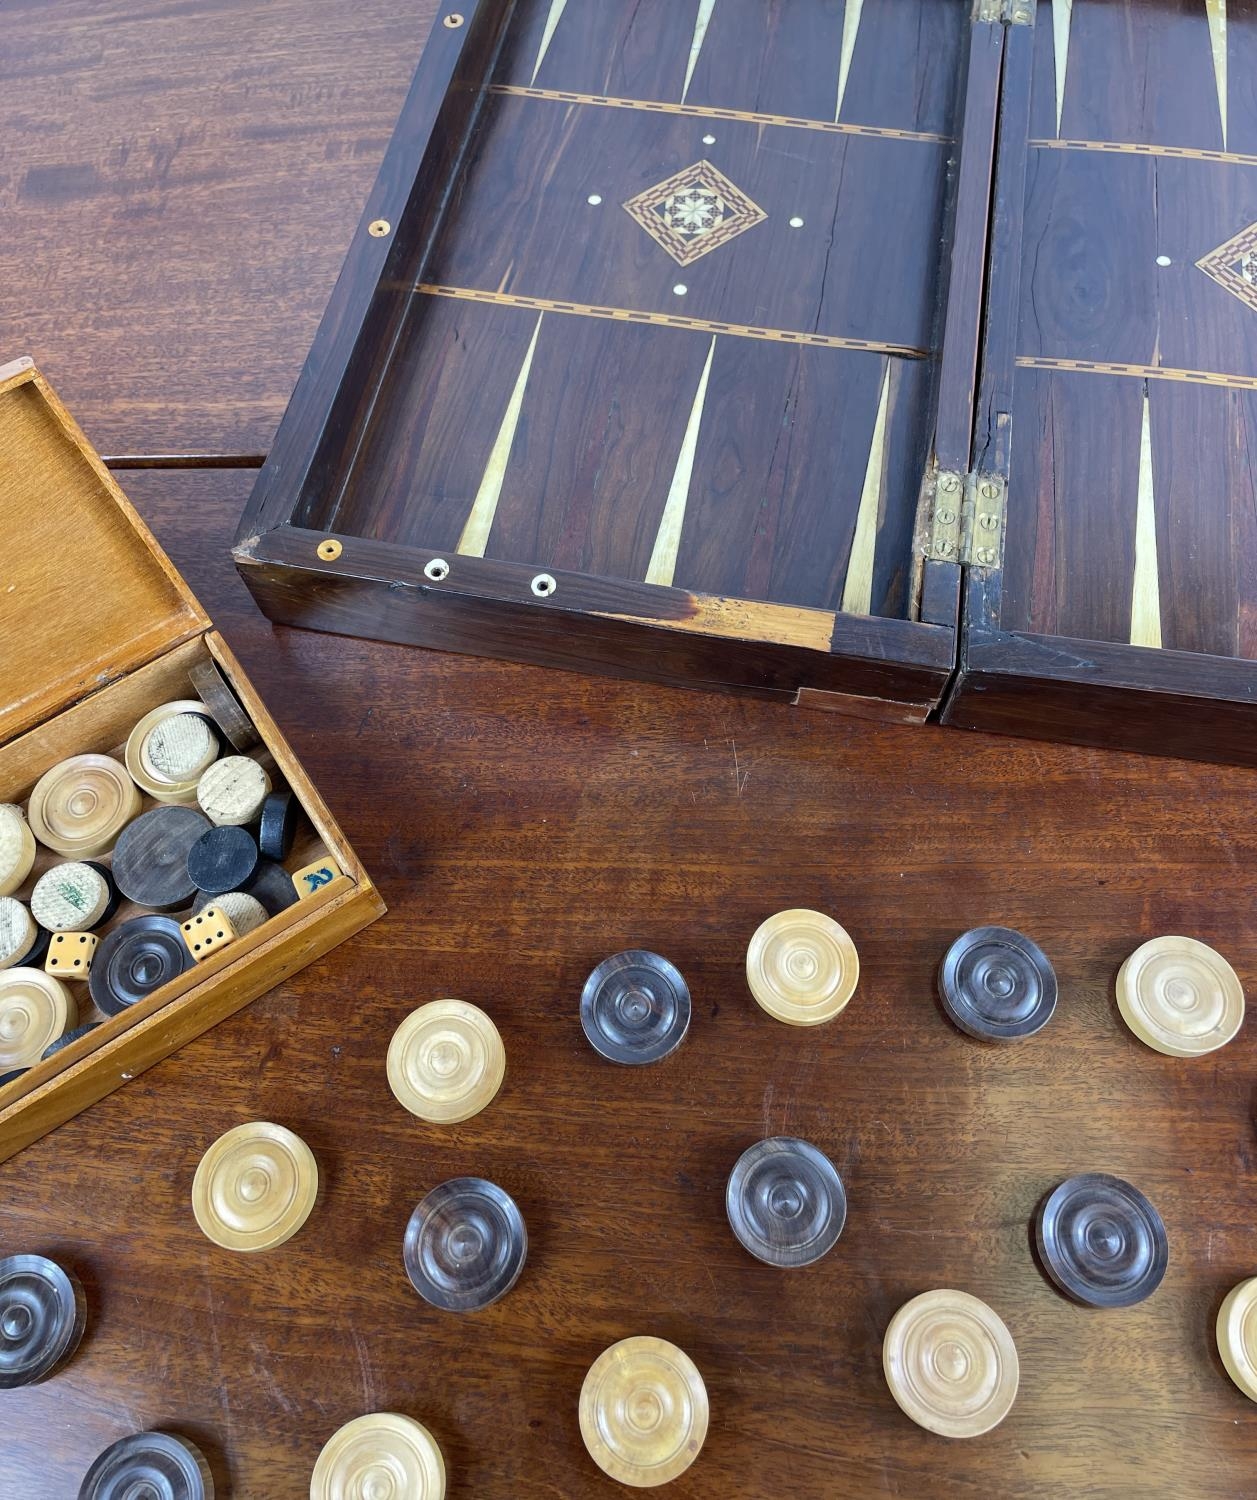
(121, 873)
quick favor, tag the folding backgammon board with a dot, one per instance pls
(97, 633)
(894, 356)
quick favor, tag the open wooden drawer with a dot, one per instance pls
(96, 629)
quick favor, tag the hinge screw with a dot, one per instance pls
(944, 516)
(986, 554)
(948, 483)
(944, 548)
(989, 491)
(988, 523)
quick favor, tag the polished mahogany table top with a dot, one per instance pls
(179, 185)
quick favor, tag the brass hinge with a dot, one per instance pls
(982, 530)
(967, 519)
(1010, 12)
(945, 519)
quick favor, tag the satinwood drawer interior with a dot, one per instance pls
(97, 628)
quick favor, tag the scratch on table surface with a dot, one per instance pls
(740, 777)
(224, 1386)
(743, 1358)
(768, 1105)
(364, 1365)
(128, 1418)
(1224, 836)
(535, 1164)
(286, 1403)
(798, 1088)
(890, 1480)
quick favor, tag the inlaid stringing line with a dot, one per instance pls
(1062, 18)
(857, 588)
(850, 29)
(1145, 602)
(475, 537)
(663, 557)
(1142, 372)
(671, 320)
(1142, 148)
(1216, 10)
(557, 8)
(702, 112)
(701, 22)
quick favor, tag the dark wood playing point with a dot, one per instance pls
(205, 167)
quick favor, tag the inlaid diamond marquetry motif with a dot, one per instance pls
(1233, 265)
(694, 212)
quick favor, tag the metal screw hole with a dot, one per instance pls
(437, 569)
(330, 550)
(543, 585)
(379, 228)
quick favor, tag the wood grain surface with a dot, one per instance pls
(178, 185)
(1119, 394)
(1121, 258)
(582, 408)
(761, 427)
(522, 825)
